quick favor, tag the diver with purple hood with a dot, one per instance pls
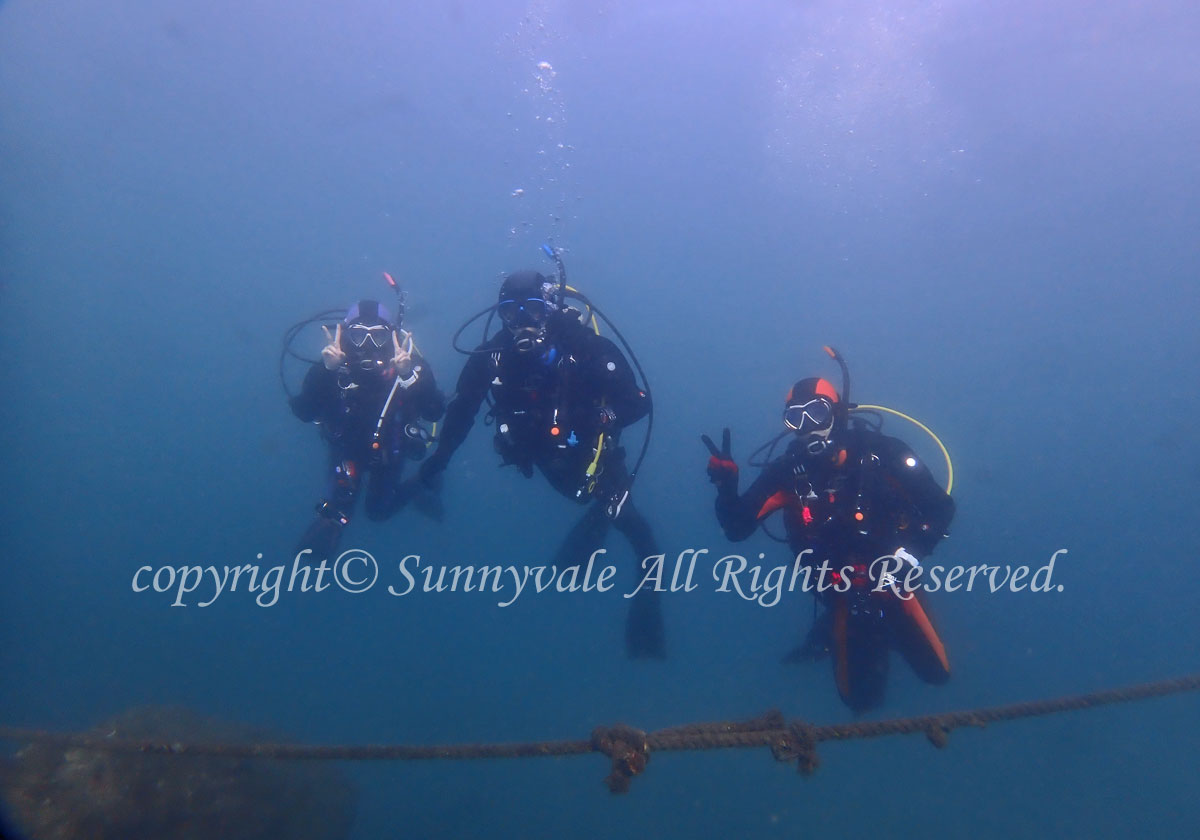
(371, 393)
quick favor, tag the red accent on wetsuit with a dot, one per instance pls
(913, 609)
(781, 499)
(715, 463)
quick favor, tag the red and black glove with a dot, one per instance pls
(722, 470)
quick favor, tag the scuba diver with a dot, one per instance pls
(369, 392)
(851, 495)
(560, 394)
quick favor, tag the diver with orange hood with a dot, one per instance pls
(849, 495)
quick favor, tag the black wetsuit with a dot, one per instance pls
(550, 407)
(869, 498)
(349, 418)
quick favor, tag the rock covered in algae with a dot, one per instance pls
(56, 793)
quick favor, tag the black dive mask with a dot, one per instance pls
(816, 415)
(524, 309)
(365, 336)
(813, 422)
(515, 313)
(526, 320)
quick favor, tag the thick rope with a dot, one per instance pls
(628, 748)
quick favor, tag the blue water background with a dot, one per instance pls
(990, 210)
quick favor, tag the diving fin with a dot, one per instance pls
(430, 504)
(321, 538)
(645, 637)
(817, 642)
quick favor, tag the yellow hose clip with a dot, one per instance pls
(589, 475)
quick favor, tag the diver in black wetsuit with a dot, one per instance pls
(368, 393)
(561, 396)
(851, 495)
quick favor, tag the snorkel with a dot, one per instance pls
(401, 299)
(837, 357)
(818, 442)
(560, 293)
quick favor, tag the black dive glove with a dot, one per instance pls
(722, 469)
(431, 471)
